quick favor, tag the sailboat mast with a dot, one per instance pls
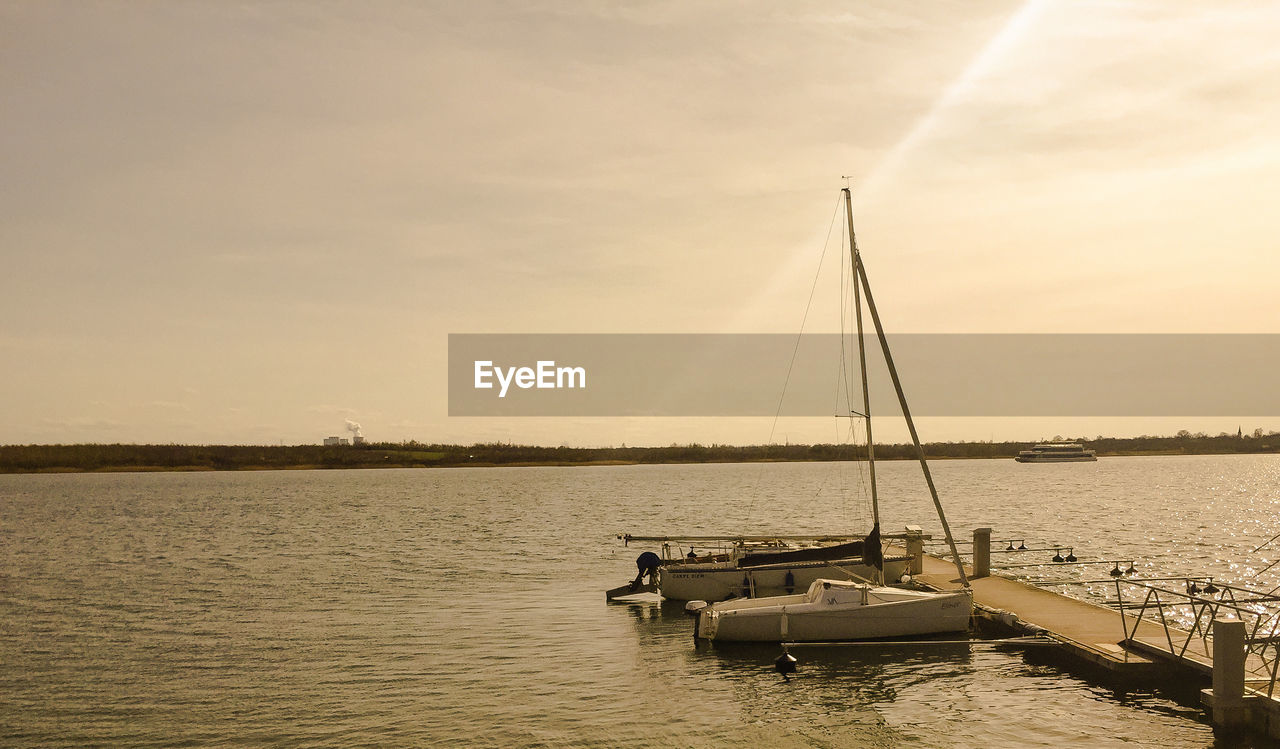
(861, 273)
(856, 263)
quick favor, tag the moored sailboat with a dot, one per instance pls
(838, 610)
(832, 610)
(755, 566)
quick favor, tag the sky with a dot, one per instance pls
(253, 222)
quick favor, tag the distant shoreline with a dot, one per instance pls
(151, 458)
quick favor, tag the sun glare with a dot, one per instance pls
(867, 189)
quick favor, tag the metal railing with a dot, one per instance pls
(1120, 567)
(1185, 614)
(1183, 608)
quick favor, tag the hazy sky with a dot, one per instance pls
(250, 222)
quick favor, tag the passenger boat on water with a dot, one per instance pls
(1056, 452)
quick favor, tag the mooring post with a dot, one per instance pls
(981, 552)
(1227, 701)
(915, 549)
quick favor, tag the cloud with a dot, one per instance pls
(169, 405)
(79, 424)
(330, 409)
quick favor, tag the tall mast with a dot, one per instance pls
(861, 273)
(856, 263)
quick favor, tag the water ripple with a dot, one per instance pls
(405, 607)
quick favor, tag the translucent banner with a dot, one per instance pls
(942, 375)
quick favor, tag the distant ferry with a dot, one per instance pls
(1056, 453)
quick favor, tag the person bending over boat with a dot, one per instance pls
(648, 564)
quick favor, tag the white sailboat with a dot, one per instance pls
(833, 610)
(842, 610)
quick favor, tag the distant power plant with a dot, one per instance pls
(356, 437)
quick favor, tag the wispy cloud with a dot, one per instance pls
(169, 405)
(329, 409)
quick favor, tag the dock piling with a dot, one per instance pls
(1227, 701)
(981, 552)
(915, 549)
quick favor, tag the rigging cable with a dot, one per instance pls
(809, 305)
(773, 428)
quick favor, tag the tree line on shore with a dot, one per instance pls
(128, 457)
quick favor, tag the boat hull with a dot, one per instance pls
(723, 581)
(887, 613)
(1057, 452)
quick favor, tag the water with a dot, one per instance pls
(466, 607)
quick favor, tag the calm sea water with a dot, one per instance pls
(466, 607)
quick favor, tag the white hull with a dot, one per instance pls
(719, 581)
(834, 610)
(1062, 452)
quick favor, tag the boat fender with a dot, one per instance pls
(693, 607)
(746, 586)
(789, 582)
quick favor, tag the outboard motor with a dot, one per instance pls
(647, 564)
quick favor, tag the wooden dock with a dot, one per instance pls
(1128, 648)
(1090, 633)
